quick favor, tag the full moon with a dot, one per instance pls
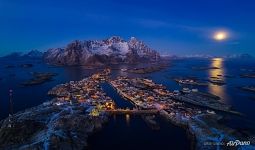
(220, 35)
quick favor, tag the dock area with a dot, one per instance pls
(132, 111)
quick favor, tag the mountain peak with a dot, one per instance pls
(133, 38)
(115, 39)
(110, 51)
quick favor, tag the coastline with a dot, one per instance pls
(51, 118)
(202, 126)
(58, 116)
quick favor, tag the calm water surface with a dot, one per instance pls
(131, 132)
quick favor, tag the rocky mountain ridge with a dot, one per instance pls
(113, 50)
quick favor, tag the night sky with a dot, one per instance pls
(171, 27)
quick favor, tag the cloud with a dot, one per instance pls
(153, 23)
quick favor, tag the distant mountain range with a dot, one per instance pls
(232, 56)
(33, 54)
(242, 56)
(114, 50)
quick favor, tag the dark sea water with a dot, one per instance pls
(128, 132)
(132, 131)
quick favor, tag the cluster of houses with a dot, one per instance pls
(86, 92)
(146, 94)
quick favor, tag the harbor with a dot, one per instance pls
(125, 101)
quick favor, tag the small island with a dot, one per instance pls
(194, 82)
(217, 81)
(247, 75)
(26, 65)
(39, 78)
(215, 77)
(248, 88)
(204, 68)
(148, 69)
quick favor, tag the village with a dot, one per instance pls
(143, 93)
(86, 92)
(146, 94)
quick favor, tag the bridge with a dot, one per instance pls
(132, 111)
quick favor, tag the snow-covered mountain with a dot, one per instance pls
(99, 52)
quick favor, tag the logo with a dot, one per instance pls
(238, 143)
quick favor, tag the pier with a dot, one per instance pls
(132, 111)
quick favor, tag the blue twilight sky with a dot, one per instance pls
(171, 27)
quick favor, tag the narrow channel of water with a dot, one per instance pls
(119, 101)
(130, 132)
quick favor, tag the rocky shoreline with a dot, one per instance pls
(59, 123)
(203, 126)
(69, 128)
(49, 126)
(207, 133)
